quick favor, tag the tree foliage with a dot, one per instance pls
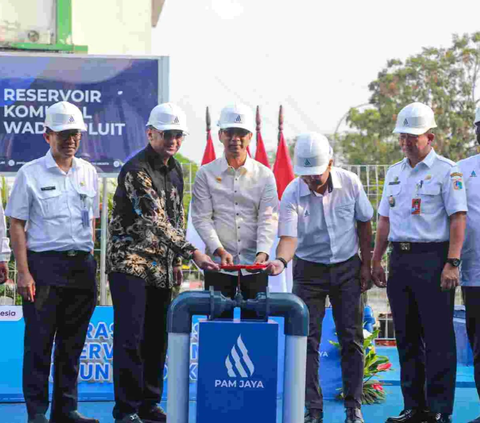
(443, 78)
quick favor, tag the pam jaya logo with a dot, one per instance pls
(238, 363)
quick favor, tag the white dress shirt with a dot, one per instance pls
(236, 209)
(325, 225)
(52, 202)
(5, 242)
(470, 269)
(419, 201)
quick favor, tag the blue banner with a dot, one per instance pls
(115, 96)
(96, 369)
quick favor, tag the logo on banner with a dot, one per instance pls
(241, 368)
(239, 365)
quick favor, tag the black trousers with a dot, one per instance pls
(312, 282)
(59, 314)
(139, 343)
(423, 318)
(471, 298)
(250, 286)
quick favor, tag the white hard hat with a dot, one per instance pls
(63, 116)
(416, 119)
(168, 116)
(477, 116)
(312, 154)
(237, 116)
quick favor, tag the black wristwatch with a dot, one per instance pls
(455, 262)
(283, 261)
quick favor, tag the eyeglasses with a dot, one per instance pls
(231, 132)
(409, 137)
(172, 134)
(69, 133)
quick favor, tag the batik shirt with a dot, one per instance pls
(146, 231)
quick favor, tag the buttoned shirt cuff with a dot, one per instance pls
(264, 248)
(213, 245)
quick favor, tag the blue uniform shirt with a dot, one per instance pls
(52, 202)
(470, 270)
(419, 201)
(325, 225)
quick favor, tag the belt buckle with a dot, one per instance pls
(71, 253)
(405, 246)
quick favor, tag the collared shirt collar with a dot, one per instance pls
(305, 190)
(248, 165)
(51, 163)
(428, 161)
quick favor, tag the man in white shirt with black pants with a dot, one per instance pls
(234, 208)
(58, 196)
(422, 214)
(327, 212)
(470, 267)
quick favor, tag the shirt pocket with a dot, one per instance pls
(345, 212)
(394, 190)
(85, 199)
(431, 196)
(52, 203)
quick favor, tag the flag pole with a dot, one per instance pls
(280, 123)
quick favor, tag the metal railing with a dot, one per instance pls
(372, 177)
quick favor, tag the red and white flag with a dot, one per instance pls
(208, 156)
(283, 171)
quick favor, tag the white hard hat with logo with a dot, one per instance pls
(416, 119)
(312, 154)
(477, 115)
(63, 116)
(237, 116)
(168, 116)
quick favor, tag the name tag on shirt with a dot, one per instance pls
(48, 188)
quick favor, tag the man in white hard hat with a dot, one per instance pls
(422, 213)
(324, 220)
(234, 207)
(145, 251)
(470, 269)
(57, 196)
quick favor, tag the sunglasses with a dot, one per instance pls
(69, 133)
(170, 135)
(231, 132)
(409, 137)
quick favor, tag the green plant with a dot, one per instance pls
(373, 391)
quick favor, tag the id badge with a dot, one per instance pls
(85, 217)
(416, 205)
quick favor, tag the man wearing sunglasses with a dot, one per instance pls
(57, 195)
(144, 261)
(234, 208)
(422, 213)
(327, 213)
(470, 269)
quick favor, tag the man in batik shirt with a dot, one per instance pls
(146, 246)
